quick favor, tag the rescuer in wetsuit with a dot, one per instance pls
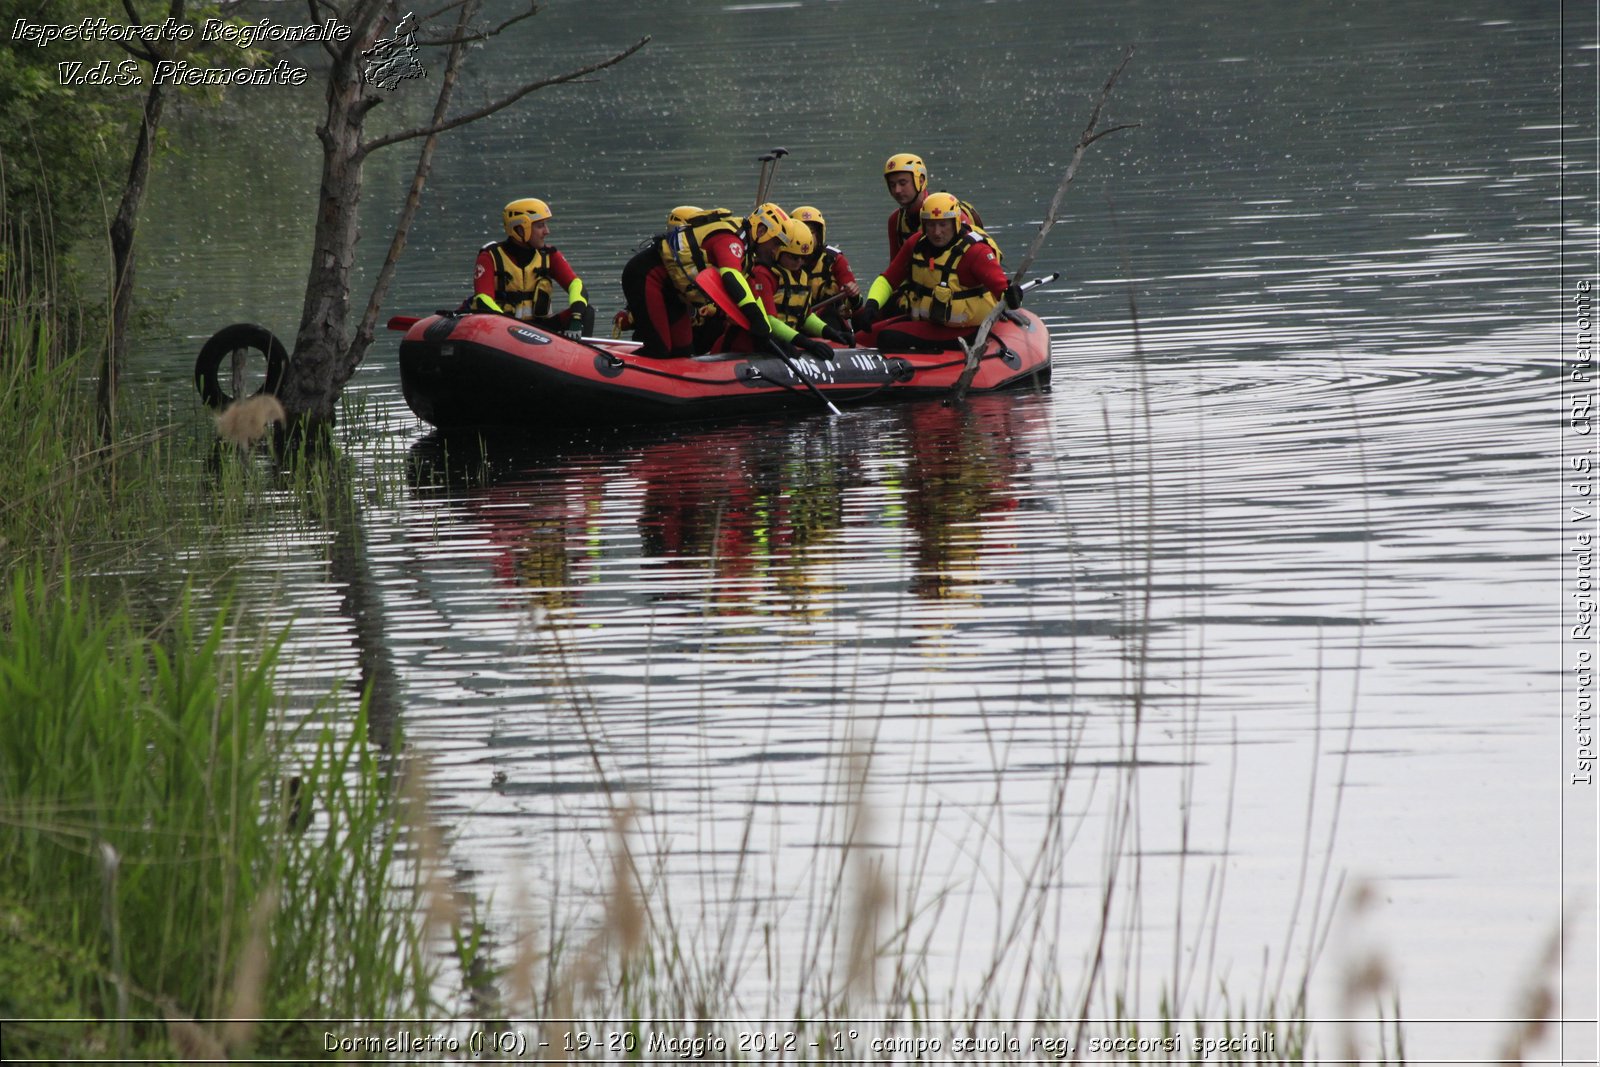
(518, 275)
(829, 272)
(672, 313)
(779, 245)
(907, 178)
(951, 276)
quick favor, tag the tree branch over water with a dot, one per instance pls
(503, 102)
(1089, 137)
(326, 349)
(419, 180)
(533, 9)
(974, 348)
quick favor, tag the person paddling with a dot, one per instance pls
(951, 275)
(517, 276)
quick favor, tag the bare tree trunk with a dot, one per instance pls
(326, 354)
(419, 180)
(122, 253)
(311, 388)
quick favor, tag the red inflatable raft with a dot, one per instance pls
(478, 370)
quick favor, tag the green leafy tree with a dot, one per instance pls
(60, 145)
(75, 161)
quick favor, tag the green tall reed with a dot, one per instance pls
(184, 872)
(156, 863)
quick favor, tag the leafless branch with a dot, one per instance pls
(974, 348)
(134, 20)
(1113, 129)
(533, 9)
(451, 6)
(503, 102)
(314, 11)
(360, 21)
(419, 180)
(1090, 136)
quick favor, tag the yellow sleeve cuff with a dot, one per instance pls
(741, 288)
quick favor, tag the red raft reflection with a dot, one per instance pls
(749, 509)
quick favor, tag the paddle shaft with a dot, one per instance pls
(788, 361)
(761, 182)
(822, 305)
(769, 170)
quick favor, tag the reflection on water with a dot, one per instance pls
(704, 618)
(960, 477)
(749, 504)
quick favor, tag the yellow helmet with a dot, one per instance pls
(907, 162)
(814, 220)
(942, 206)
(680, 216)
(520, 215)
(766, 222)
(797, 238)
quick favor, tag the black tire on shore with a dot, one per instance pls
(229, 339)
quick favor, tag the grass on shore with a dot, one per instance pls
(176, 858)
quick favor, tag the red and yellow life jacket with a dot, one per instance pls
(932, 288)
(824, 274)
(908, 220)
(792, 300)
(522, 291)
(683, 254)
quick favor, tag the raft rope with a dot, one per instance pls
(643, 369)
(619, 362)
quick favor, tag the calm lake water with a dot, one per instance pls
(1261, 603)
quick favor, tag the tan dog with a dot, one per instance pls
(246, 422)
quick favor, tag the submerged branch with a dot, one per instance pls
(974, 348)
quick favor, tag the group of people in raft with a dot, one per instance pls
(944, 277)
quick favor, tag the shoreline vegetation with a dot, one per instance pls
(172, 847)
